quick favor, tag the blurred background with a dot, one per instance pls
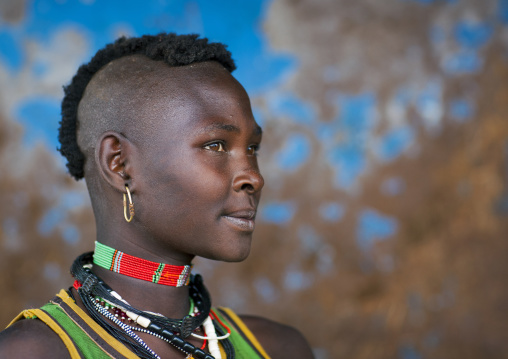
(383, 228)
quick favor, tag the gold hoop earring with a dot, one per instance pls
(131, 206)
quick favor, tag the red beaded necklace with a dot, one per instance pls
(126, 264)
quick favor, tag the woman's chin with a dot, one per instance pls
(231, 256)
(238, 258)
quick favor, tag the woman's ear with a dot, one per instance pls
(112, 158)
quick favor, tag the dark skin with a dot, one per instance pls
(184, 140)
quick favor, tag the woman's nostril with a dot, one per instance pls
(247, 187)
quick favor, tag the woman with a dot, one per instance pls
(166, 141)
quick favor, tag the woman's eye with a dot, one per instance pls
(216, 146)
(252, 150)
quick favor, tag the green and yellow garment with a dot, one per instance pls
(84, 338)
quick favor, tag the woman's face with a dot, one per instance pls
(195, 177)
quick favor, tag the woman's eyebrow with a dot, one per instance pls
(230, 128)
(222, 126)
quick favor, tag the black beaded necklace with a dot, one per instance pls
(173, 331)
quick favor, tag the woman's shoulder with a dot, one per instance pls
(31, 338)
(278, 340)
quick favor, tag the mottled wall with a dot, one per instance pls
(382, 232)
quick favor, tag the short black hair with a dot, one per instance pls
(173, 49)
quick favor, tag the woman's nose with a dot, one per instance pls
(249, 180)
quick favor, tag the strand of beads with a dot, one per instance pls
(117, 312)
(122, 316)
(126, 328)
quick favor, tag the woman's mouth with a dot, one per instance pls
(242, 220)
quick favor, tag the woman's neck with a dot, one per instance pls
(137, 242)
(170, 301)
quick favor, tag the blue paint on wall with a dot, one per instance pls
(309, 238)
(373, 227)
(99, 22)
(465, 61)
(259, 116)
(11, 52)
(288, 105)
(331, 74)
(502, 10)
(355, 121)
(403, 95)
(70, 234)
(40, 68)
(395, 142)
(393, 186)
(265, 289)
(101, 18)
(349, 161)
(429, 102)
(294, 153)
(72, 199)
(295, 280)
(437, 34)
(461, 110)
(325, 259)
(259, 68)
(277, 212)
(409, 352)
(11, 234)
(326, 132)
(331, 211)
(50, 221)
(472, 34)
(55, 218)
(356, 112)
(312, 244)
(40, 117)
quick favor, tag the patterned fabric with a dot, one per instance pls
(84, 338)
(245, 343)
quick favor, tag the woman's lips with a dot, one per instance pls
(243, 220)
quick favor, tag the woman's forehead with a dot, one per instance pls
(186, 97)
(136, 94)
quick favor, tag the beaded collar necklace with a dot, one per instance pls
(126, 264)
(173, 331)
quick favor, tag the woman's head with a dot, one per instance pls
(184, 140)
(174, 50)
